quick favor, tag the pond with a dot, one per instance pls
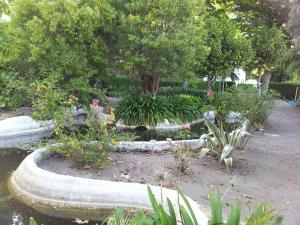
(13, 212)
(147, 135)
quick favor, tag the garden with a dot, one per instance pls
(149, 112)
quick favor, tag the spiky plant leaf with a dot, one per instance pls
(226, 152)
(216, 208)
(228, 163)
(188, 206)
(32, 221)
(203, 152)
(235, 215)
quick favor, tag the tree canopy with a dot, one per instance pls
(160, 38)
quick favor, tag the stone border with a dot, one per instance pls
(158, 146)
(14, 138)
(75, 197)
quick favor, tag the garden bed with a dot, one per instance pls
(72, 196)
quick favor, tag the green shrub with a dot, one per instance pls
(15, 91)
(144, 110)
(149, 110)
(48, 99)
(286, 90)
(88, 142)
(167, 91)
(246, 101)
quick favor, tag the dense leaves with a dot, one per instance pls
(229, 49)
(148, 110)
(160, 38)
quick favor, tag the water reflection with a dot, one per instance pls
(11, 211)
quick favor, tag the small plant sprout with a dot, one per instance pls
(182, 155)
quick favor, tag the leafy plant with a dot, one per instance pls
(149, 110)
(222, 144)
(48, 99)
(88, 142)
(263, 215)
(32, 221)
(15, 91)
(182, 155)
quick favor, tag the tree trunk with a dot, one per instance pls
(268, 76)
(209, 83)
(259, 80)
(145, 83)
(155, 84)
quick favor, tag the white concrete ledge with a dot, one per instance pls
(74, 197)
(22, 129)
(156, 146)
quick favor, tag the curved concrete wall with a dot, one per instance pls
(75, 197)
(16, 130)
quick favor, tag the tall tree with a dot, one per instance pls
(66, 39)
(160, 38)
(229, 49)
(269, 45)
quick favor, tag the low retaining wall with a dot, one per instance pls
(156, 146)
(23, 129)
(74, 197)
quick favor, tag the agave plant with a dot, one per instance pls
(222, 144)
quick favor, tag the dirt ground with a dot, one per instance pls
(267, 170)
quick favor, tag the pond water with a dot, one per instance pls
(13, 212)
(147, 135)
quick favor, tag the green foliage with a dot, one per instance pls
(167, 91)
(160, 38)
(268, 44)
(222, 144)
(67, 39)
(32, 221)
(48, 99)
(14, 91)
(149, 110)
(263, 215)
(229, 49)
(88, 142)
(286, 90)
(244, 99)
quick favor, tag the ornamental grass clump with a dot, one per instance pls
(148, 110)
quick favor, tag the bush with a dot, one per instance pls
(286, 90)
(149, 110)
(246, 101)
(15, 91)
(48, 99)
(178, 90)
(88, 142)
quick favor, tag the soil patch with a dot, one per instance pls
(267, 170)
